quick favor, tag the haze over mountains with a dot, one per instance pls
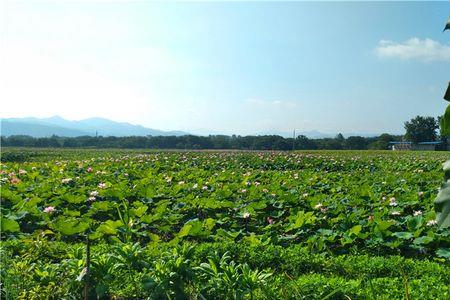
(56, 125)
(45, 127)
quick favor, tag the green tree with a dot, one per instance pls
(356, 143)
(382, 142)
(421, 129)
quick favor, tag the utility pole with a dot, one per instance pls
(293, 141)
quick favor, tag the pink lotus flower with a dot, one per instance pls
(49, 209)
(270, 220)
(89, 170)
(15, 180)
(102, 185)
(22, 172)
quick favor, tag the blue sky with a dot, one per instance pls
(237, 67)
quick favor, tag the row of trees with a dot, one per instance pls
(265, 142)
(418, 129)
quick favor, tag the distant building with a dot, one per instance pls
(400, 146)
(430, 146)
(422, 146)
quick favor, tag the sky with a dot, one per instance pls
(228, 67)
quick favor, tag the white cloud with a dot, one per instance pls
(424, 50)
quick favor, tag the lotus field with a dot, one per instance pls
(222, 225)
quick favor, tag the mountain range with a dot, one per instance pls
(44, 127)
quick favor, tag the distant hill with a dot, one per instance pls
(56, 125)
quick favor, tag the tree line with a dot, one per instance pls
(263, 142)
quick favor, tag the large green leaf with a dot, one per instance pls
(355, 230)
(140, 211)
(70, 226)
(423, 240)
(302, 218)
(403, 235)
(184, 231)
(110, 227)
(446, 168)
(196, 228)
(414, 223)
(445, 122)
(9, 225)
(442, 206)
(443, 252)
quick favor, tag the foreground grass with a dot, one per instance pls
(48, 270)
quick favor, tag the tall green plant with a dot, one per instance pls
(442, 202)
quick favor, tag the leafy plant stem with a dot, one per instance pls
(88, 266)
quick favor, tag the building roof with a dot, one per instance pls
(400, 143)
(430, 143)
(420, 143)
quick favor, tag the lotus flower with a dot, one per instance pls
(431, 223)
(66, 180)
(49, 209)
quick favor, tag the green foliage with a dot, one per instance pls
(8, 225)
(421, 129)
(170, 274)
(223, 278)
(70, 226)
(307, 218)
(442, 202)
